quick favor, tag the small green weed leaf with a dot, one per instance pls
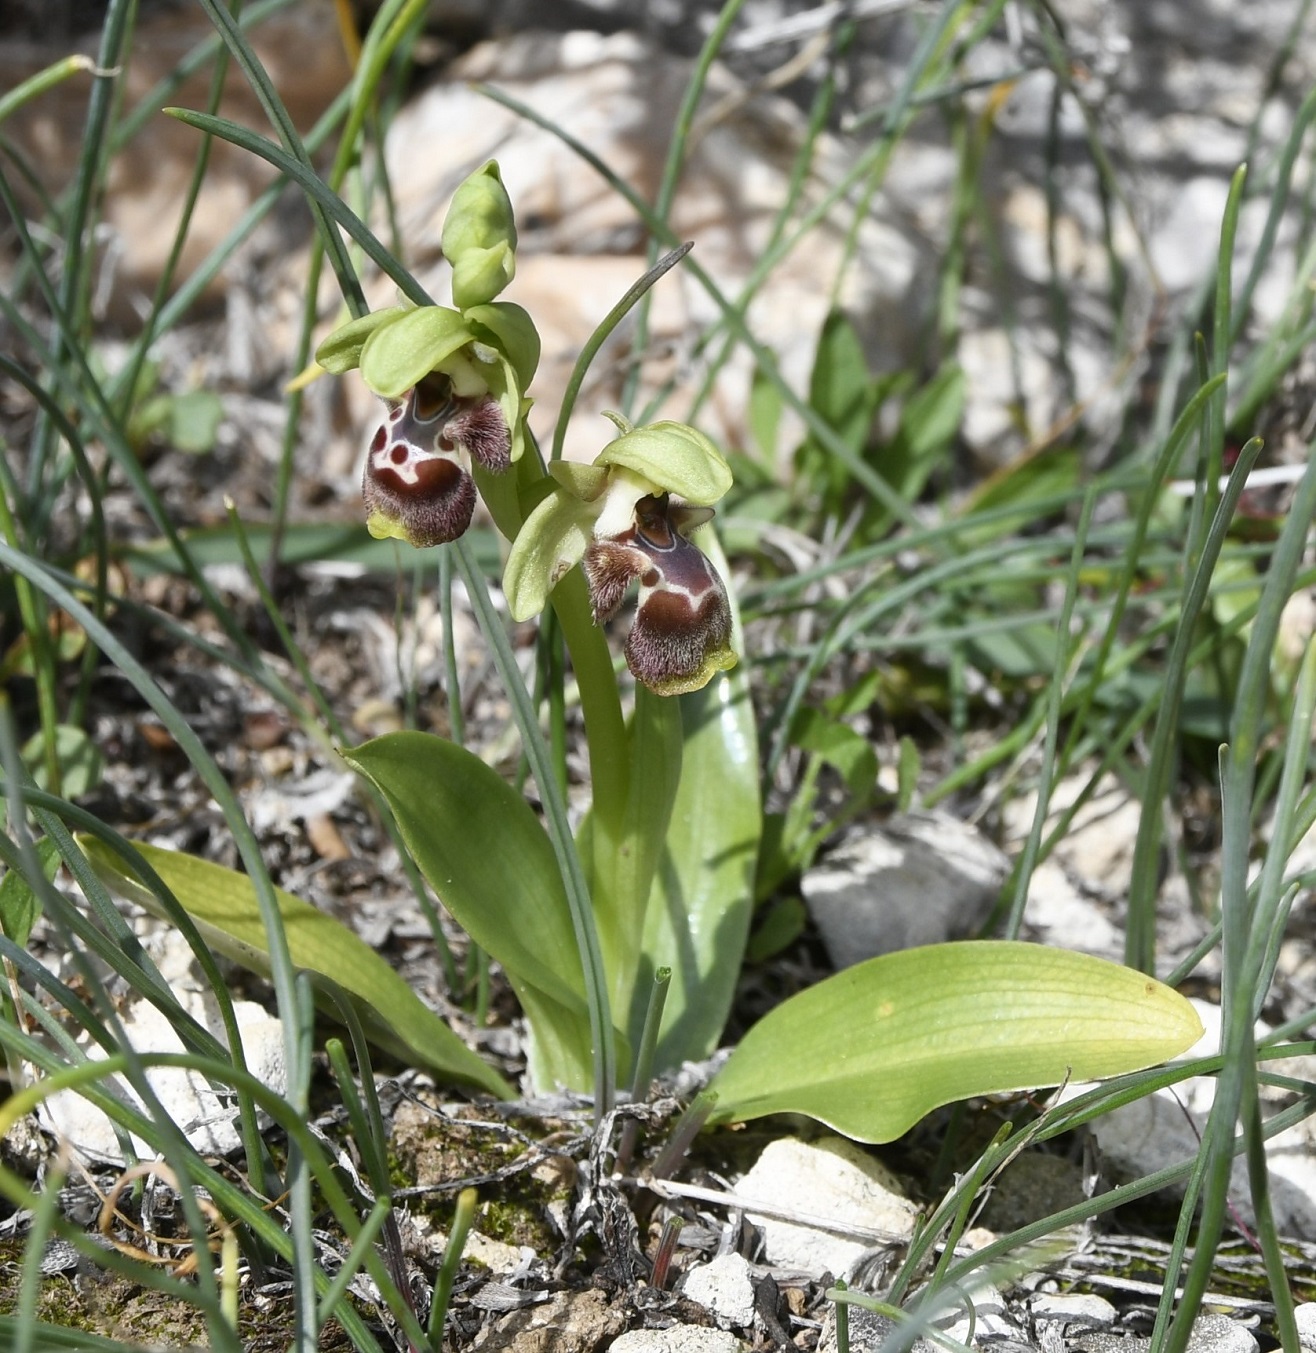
(765, 406)
(194, 420)
(929, 420)
(19, 904)
(482, 849)
(840, 746)
(222, 902)
(781, 924)
(844, 394)
(872, 1049)
(1033, 482)
(77, 756)
(699, 910)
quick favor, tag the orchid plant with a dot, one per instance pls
(624, 943)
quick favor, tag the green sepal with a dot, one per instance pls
(479, 238)
(397, 355)
(341, 351)
(549, 545)
(496, 373)
(509, 328)
(480, 274)
(673, 456)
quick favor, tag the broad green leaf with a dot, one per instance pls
(623, 869)
(872, 1049)
(928, 422)
(699, 910)
(482, 849)
(19, 905)
(1040, 479)
(222, 902)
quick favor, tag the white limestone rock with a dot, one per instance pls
(208, 1122)
(919, 878)
(724, 1287)
(843, 1201)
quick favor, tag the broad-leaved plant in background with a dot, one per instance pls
(666, 854)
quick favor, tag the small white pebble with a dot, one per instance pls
(1088, 1310)
(724, 1287)
(1305, 1315)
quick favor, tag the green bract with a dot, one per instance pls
(479, 238)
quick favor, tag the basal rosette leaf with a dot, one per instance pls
(698, 915)
(482, 849)
(874, 1048)
(223, 904)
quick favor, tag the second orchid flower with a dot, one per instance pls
(628, 517)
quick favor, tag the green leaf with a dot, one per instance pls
(485, 854)
(19, 905)
(699, 910)
(781, 923)
(765, 406)
(874, 1048)
(1031, 484)
(844, 395)
(624, 865)
(929, 420)
(222, 902)
(194, 420)
(840, 746)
